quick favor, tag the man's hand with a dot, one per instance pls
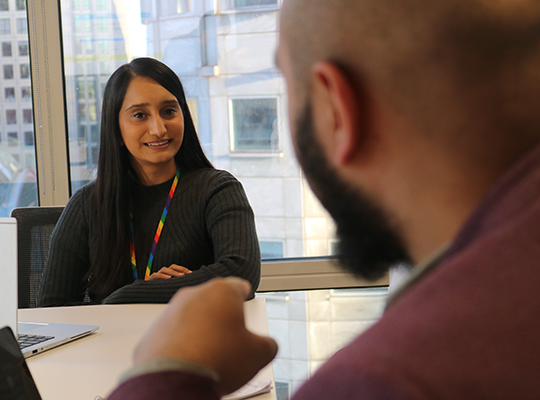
(205, 324)
(169, 272)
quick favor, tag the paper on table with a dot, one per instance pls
(250, 389)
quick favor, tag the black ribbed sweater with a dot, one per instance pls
(209, 229)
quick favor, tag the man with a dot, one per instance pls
(417, 124)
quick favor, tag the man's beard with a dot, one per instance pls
(368, 243)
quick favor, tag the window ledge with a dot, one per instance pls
(262, 154)
(246, 10)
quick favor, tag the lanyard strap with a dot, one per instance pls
(156, 236)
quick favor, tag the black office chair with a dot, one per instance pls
(34, 228)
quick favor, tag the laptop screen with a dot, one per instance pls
(8, 273)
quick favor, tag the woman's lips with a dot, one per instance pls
(156, 145)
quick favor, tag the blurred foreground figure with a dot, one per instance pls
(417, 125)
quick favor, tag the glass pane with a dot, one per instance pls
(254, 125)
(236, 94)
(310, 326)
(254, 3)
(18, 186)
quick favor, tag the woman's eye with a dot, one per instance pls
(170, 111)
(138, 115)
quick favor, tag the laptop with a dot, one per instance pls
(34, 337)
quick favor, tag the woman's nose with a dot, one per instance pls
(157, 127)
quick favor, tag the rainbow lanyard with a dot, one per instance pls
(156, 237)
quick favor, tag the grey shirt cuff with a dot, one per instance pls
(169, 365)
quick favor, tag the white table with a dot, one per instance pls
(90, 367)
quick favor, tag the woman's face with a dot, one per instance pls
(152, 127)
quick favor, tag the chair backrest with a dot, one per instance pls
(34, 228)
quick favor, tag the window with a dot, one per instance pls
(105, 68)
(25, 71)
(254, 125)
(11, 117)
(81, 114)
(101, 5)
(8, 71)
(81, 89)
(94, 133)
(271, 249)
(92, 112)
(9, 94)
(17, 186)
(82, 134)
(5, 26)
(89, 47)
(91, 90)
(77, 23)
(22, 26)
(28, 138)
(87, 23)
(172, 7)
(13, 139)
(101, 24)
(103, 47)
(6, 49)
(27, 116)
(23, 48)
(26, 93)
(254, 3)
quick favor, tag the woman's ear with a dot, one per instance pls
(336, 106)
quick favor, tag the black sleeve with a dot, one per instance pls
(68, 258)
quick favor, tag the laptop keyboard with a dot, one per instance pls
(30, 340)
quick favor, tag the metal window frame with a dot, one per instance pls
(306, 273)
(50, 127)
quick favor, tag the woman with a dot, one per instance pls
(159, 216)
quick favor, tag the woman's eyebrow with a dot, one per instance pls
(170, 102)
(135, 106)
(147, 104)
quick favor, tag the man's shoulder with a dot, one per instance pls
(365, 369)
(472, 316)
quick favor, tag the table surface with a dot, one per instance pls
(90, 367)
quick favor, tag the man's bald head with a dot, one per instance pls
(451, 66)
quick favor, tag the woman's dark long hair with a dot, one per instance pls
(109, 267)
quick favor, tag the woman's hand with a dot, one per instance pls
(169, 272)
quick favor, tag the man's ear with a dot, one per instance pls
(336, 109)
